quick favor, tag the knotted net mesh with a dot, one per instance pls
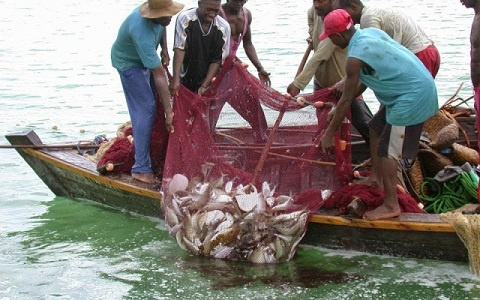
(242, 171)
(233, 136)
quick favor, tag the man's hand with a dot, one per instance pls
(327, 142)
(169, 122)
(338, 88)
(293, 90)
(165, 57)
(201, 90)
(174, 86)
(330, 115)
(264, 77)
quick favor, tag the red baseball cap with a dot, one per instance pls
(337, 21)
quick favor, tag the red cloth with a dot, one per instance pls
(372, 197)
(430, 57)
(122, 152)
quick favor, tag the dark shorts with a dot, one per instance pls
(395, 142)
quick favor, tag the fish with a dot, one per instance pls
(214, 218)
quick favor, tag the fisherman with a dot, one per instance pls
(240, 20)
(134, 55)
(202, 42)
(400, 27)
(401, 84)
(475, 59)
(328, 66)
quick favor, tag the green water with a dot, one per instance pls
(78, 250)
(55, 73)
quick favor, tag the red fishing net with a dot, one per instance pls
(240, 181)
(242, 170)
(238, 146)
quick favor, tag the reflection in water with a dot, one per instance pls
(228, 274)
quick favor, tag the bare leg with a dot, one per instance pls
(390, 207)
(375, 178)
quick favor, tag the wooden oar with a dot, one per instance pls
(269, 142)
(58, 146)
(304, 59)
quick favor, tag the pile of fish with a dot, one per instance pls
(216, 219)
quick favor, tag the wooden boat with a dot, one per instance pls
(72, 175)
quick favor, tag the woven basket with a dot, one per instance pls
(415, 176)
(462, 154)
(441, 130)
(432, 161)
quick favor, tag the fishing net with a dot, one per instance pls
(467, 228)
(242, 170)
(293, 162)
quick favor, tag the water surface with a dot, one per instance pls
(56, 78)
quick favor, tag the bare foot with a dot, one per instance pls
(368, 181)
(145, 177)
(382, 212)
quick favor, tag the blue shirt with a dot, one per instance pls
(137, 42)
(397, 77)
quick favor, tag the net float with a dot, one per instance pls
(303, 102)
(109, 167)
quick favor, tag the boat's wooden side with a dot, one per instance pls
(411, 235)
(70, 175)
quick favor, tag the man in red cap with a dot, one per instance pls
(401, 84)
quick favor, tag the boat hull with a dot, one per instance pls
(411, 235)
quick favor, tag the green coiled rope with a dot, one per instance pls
(450, 195)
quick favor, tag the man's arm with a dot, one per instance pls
(323, 53)
(161, 85)
(212, 71)
(178, 56)
(350, 90)
(252, 53)
(164, 53)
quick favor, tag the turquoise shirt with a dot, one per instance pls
(137, 43)
(397, 77)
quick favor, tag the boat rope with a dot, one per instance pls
(450, 195)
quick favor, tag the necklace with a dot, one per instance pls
(201, 27)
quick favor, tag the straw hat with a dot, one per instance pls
(153, 9)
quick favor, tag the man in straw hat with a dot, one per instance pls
(134, 55)
(401, 84)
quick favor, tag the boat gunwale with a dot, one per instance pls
(316, 218)
(43, 155)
